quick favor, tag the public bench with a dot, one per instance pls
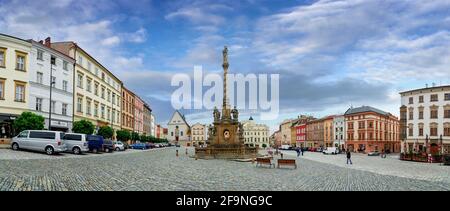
(286, 162)
(264, 161)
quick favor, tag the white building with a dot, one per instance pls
(152, 125)
(256, 134)
(426, 115)
(43, 59)
(178, 129)
(339, 131)
(198, 134)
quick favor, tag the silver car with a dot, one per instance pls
(76, 143)
(119, 146)
(50, 142)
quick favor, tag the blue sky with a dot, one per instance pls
(329, 54)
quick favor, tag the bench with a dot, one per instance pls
(287, 162)
(265, 161)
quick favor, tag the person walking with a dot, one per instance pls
(298, 151)
(349, 158)
(301, 150)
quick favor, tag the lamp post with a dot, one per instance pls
(52, 62)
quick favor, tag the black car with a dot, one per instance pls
(447, 160)
(108, 146)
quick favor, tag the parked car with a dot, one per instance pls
(50, 142)
(76, 143)
(374, 153)
(108, 146)
(446, 160)
(150, 145)
(320, 149)
(138, 146)
(95, 143)
(330, 151)
(119, 146)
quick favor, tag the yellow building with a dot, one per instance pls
(14, 67)
(97, 91)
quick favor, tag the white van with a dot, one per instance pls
(330, 150)
(76, 143)
(50, 142)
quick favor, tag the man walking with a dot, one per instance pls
(298, 151)
(349, 157)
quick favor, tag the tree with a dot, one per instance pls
(123, 135)
(28, 121)
(135, 136)
(264, 145)
(84, 127)
(106, 131)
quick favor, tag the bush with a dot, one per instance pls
(106, 131)
(84, 127)
(135, 136)
(264, 145)
(123, 135)
(29, 121)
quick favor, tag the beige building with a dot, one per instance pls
(14, 86)
(198, 134)
(97, 91)
(178, 130)
(256, 134)
(286, 132)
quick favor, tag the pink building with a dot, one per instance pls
(300, 132)
(138, 115)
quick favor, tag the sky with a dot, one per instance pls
(330, 54)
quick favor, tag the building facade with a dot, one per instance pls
(153, 125)
(97, 91)
(328, 131)
(138, 115)
(198, 134)
(285, 132)
(127, 109)
(44, 59)
(425, 114)
(339, 131)
(315, 133)
(178, 130)
(370, 129)
(256, 134)
(299, 127)
(147, 120)
(14, 85)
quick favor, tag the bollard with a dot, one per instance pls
(196, 157)
(177, 152)
(281, 155)
(186, 151)
(253, 160)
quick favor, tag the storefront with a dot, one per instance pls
(6, 127)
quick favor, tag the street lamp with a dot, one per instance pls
(52, 62)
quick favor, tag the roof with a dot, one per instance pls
(363, 109)
(16, 38)
(182, 117)
(251, 118)
(62, 54)
(428, 88)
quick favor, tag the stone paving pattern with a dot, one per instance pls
(161, 170)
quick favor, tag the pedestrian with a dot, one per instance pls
(301, 150)
(349, 158)
(298, 151)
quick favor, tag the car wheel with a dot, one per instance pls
(117, 149)
(107, 150)
(76, 150)
(15, 146)
(49, 150)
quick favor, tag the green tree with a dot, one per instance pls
(84, 127)
(264, 145)
(28, 121)
(123, 135)
(106, 131)
(135, 136)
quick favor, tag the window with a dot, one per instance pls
(88, 107)
(420, 131)
(80, 60)
(113, 115)
(350, 125)
(53, 81)
(38, 104)
(65, 85)
(96, 71)
(109, 80)
(80, 104)
(109, 96)
(370, 124)
(65, 65)
(421, 114)
(447, 96)
(108, 114)
(411, 115)
(39, 78)
(103, 111)
(411, 100)
(40, 55)
(103, 76)
(88, 85)
(103, 92)
(20, 61)
(434, 98)
(433, 131)
(53, 107)
(447, 129)
(96, 89)
(96, 110)
(421, 99)
(89, 66)
(434, 114)
(2, 89)
(42, 135)
(181, 133)
(20, 92)
(361, 125)
(72, 137)
(446, 112)
(80, 81)
(113, 98)
(2, 57)
(64, 109)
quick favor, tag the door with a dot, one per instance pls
(22, 140)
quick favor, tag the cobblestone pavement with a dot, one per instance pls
(162, 170)
(391, 165)
(8, 154)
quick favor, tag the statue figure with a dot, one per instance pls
(214, 130)
(241, 129)
(216, 114)
(235, 113)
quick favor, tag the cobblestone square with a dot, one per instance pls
(160, 170)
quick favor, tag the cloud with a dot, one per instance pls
(111, 41)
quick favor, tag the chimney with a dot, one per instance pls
(48, 42)
(41, 41)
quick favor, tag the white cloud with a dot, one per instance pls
(111, 41)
